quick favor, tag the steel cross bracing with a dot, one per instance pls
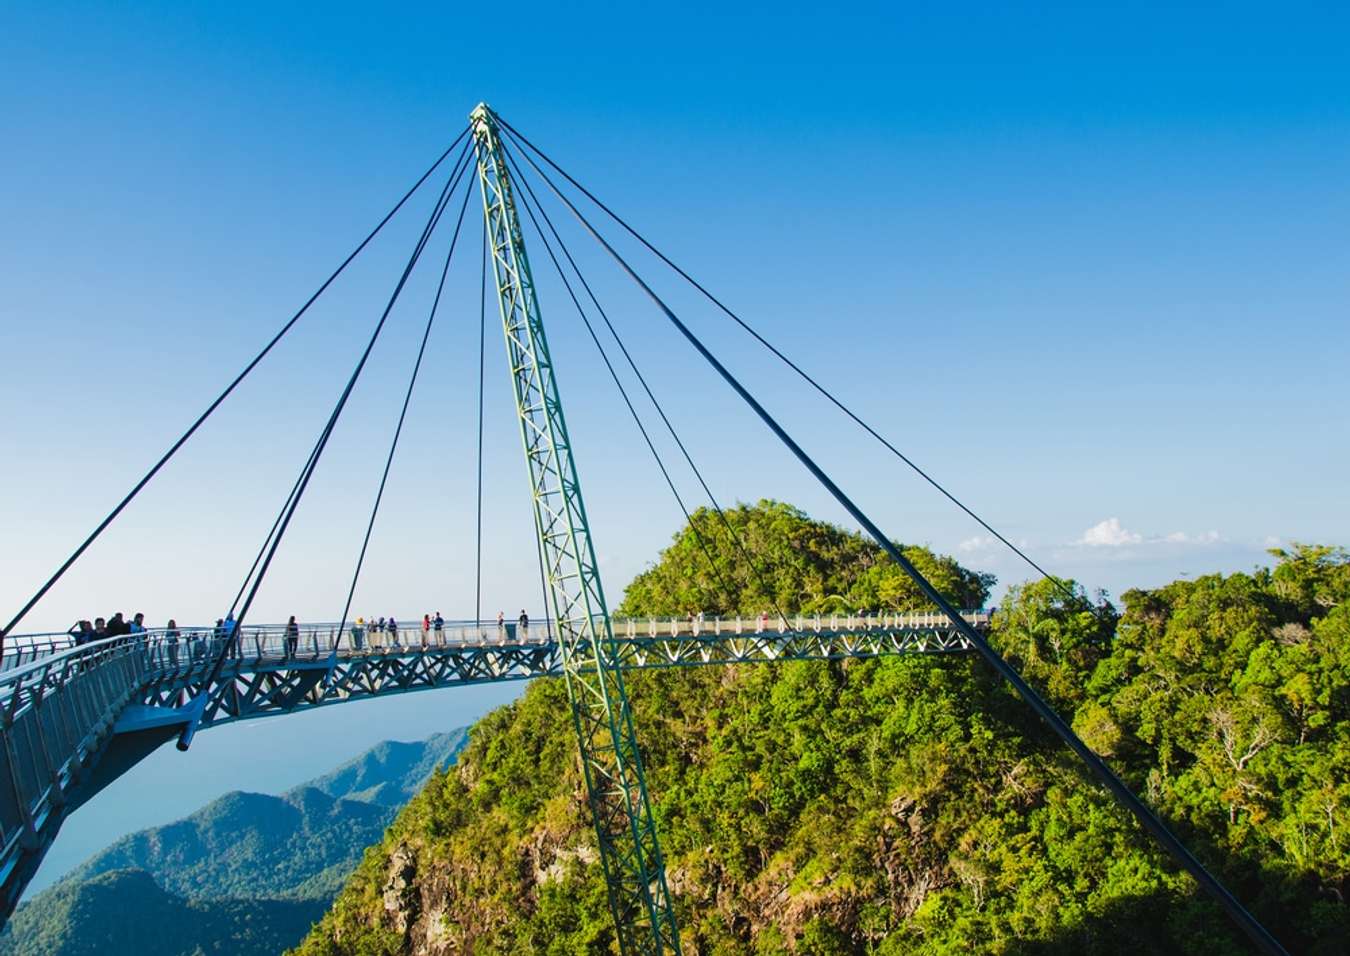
(639, 899)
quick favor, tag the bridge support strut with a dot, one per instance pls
(617, 792)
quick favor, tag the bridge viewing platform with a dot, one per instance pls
(74, 718)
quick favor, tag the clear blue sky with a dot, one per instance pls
(1089, 266)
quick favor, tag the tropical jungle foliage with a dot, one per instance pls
(913, 805)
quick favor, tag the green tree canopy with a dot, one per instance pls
(913, 804)
(772, 555)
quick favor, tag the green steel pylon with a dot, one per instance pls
(638, 896)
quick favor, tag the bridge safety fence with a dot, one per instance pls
(316, 641)
(54, 713)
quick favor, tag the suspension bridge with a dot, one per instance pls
(74, 717)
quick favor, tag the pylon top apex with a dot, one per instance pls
(482, 113)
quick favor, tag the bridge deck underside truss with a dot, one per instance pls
(263, 686)
(59, 715)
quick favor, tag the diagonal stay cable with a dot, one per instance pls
(1244, 920)
(192, 429)
(482, 353)
(233, 639)
(438, 210)
(403, 413)
(520, 137)
(739, 544)
(525, 201)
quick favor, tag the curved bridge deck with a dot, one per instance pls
(74, 718)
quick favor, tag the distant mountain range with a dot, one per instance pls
(246, 874)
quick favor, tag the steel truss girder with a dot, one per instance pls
(630, 853)
(55, 727)
(262, 687)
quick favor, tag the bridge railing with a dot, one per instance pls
(24, 649)
(699, 625)
(184, 646)
(53, 714)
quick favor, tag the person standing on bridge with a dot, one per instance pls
(392, 627)
(82, 632)
(522, 626)
(438, 623)
(137, 625)
(426, 629)
(358, 634)
(292, 637)
(171, 636)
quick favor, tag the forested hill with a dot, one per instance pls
(913, 805)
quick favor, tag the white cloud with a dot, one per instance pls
(977, 543)
(1109, 534)
(1112, 534)
(1181, 537)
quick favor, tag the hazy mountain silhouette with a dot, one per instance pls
(245, 874)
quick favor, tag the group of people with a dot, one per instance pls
(383, 631)
(386, 631)
(379, 629)
(83, 632)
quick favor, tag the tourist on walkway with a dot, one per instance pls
(438, 623)
(82, 632)
(292, 637)
(522, 625)
(171, 636)
(358, 634)
(392, 627)
(426, 629)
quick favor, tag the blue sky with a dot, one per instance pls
(1087, 265)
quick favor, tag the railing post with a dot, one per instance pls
(29, 838)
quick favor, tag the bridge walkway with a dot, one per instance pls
(74, 718)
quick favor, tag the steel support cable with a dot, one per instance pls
(438, 210)
(525, 201)
(312, 465)
(1257, 933)
(482, 351)
(736, 539)
(302, 479)
(755, 570)
(403, 414)
(192, 429)
(239, 595)
(517, 135)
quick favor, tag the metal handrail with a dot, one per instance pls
(61, 640)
